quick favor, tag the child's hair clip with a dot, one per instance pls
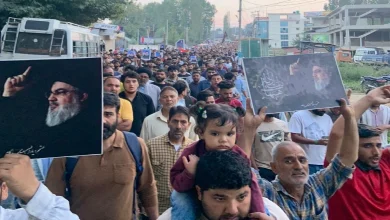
(204, 114)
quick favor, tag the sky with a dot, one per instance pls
(257, 7)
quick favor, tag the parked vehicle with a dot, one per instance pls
(369, 82)
(344, 56)
(360, 52)
(380, 59)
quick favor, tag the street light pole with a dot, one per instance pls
(166, 37)
(239, 20)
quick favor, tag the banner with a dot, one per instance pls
(49, 111)
(291, 83)
(131, 53)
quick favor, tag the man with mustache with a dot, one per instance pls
(165, 150)
(67, 110)
(102, 185)
(369, 187)
(310, 129)
(222, 182)
(302, 196)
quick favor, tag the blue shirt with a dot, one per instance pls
(44, 205)
(153, 91)
(205, 84)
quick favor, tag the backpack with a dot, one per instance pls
(135, 149)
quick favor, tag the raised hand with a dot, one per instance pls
(190, 164)
(294, 68)
(345, 110)
(15, 84)
(380, 95)
(252, 121)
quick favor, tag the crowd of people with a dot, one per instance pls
(182, 141)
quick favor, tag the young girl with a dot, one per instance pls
(216, 127)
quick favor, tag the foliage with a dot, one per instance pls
(226, 25)
(296, 41)
(197, 16)
(351, 73)
(82, 12)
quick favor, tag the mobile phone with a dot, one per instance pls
(325, 137)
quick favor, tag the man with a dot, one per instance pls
(378, 116)
(194, 85)
(223, 189)
(127, 61)
(102, 185)
(294, 185)
(142, 104)
(221, 69)
(117, 66)
(239, 85)
(311, 130)
(160, 76)
(38, 202)
(173, 72)
(206, 96)
(268, 135)
(205, 84)
(215, 80)
(113, 84)
(226, 93)
(369, 187)
(108, 71)
(183, 74)
(67, 109)
(157, 124)
(184, 99)
(199, 79)
(165, 150)
(147, 88)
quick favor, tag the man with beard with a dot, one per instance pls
(173, 72)
(112, 84)
(223, 189)
(157, 124)
(146, 87)
(369, 187)
(102, 185)
(160, 76)
(194, 85)
(305, 197)
(311, 130)
(68, 102)
(165, 150)
(205, 84)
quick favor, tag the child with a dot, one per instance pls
(216, 127)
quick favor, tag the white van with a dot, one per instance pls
(360, 52)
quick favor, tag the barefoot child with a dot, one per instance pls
(216, 127)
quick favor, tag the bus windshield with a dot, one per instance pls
(33, 43)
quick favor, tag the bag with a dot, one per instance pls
(135, 149)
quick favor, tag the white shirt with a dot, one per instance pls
(273, 209)
(44, 205)
(156, 125)
(312, 127)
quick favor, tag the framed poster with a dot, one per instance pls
(51, 108)
(291, 83)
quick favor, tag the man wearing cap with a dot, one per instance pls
(147, 88)
(67, 110)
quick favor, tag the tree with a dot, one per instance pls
(297, 40)
(326, 7)
(226, 25)
(82, 12)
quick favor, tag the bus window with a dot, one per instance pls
(33, 43)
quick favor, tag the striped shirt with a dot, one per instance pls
(163, 156)
(319, 188)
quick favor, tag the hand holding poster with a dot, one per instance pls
(49, 111)
(291, 83)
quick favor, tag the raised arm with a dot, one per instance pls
(379, 95)
(349, 146)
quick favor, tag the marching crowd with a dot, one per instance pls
(181, 141)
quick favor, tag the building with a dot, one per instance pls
(113, 36)
(317, 26)
(280, 29)
(354, 26)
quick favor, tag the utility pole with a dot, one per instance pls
(138, 37)
(166, 33)
(255, 23)
(239, 20)
(187, 29)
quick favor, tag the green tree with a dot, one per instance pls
(82, 12)
(226, 25)
(297, 40)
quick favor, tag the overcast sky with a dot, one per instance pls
(257, 6)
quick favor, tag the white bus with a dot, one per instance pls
(36, 38)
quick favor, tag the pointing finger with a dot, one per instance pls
(27, 71)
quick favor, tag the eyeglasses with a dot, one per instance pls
(58, 92)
